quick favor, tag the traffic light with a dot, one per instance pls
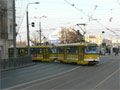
(78, 32)
(103, 32)
(33, 24)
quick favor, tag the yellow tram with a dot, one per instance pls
(38, 53)
(80, 53)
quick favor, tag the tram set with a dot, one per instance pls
(79, 53)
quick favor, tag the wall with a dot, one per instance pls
(3, 49)
(115, 42)
(94, 39)
(10, 19)
(3, 30)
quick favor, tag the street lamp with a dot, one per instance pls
(40, 25)
(14, 29)
(27, 19)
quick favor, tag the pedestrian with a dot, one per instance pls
(109, 51)
(116, 51)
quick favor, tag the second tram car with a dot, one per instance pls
(38, 53)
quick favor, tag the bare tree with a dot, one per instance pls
(35, 38)
(68, 35)
(19, 43)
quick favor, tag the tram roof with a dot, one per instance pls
(32, 46)
(78, 44)
(73, 44)
(70, 44)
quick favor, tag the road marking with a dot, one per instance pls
(106, 79)
(22, 72)
(11, 88)
(60, 85)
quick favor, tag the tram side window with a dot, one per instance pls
(26, 51)
(21, 51)
(61, 50)
(36, 50)
(52, 51)
(39, 50)
(33, 51)
(72, 50)
(10, 51)
(16, 51)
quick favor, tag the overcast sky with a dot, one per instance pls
(68, 13)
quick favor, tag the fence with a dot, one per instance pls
(12, 63)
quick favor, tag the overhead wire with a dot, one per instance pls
(93, 11)
(19, 14)
(92, 14)
(76, 8)
(22, 14)
(73, 5)
(52, 2)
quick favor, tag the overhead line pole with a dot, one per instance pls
(14, 29)
(40, 30)
(28, 37)
(27, 19)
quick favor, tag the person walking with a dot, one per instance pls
(117, 51)
(109, 51)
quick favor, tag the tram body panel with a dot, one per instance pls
(37, 57)
(45, 55)
(81, 53)
(61, 53)
(91, 58)
(52, 53)
(71, 58)
(71, 54)
(52, 56)
(82, 62)
(60, 57)
(37, 53)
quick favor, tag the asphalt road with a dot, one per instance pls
(54, 76)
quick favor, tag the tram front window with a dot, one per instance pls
(91, 50)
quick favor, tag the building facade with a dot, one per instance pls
(98, 39)
(54, 37)
(6, 27)
(115, 42)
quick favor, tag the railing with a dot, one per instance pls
(12, 63)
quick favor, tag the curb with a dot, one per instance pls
(17, 67)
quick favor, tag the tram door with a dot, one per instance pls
(45, 54)
(81, 55)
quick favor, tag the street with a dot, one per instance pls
(53, 76)
(55, 44)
